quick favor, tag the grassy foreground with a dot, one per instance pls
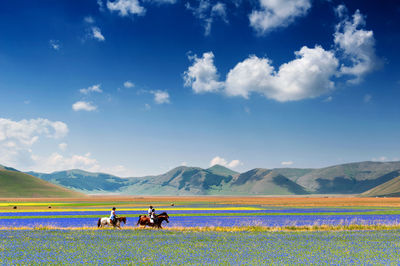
(154, 247)
(305, 228)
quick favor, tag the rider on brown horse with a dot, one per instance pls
(113, 217)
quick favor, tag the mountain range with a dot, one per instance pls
(366, 178)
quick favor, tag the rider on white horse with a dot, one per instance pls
(153, 216)
(113, 216)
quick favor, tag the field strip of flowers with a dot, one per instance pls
(292, 228)
(89, 214)
(174, 247)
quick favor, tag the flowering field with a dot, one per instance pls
(189, 216)
(176, 247)
(210, 233)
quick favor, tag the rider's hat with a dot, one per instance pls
(113, 208)
(151, 207)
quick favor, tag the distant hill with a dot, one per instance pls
(83, 181)
(2, 167)
(264, 182)
(221, 170)
(20, 185)
(180, 181)
(390, 188)
(351, 178)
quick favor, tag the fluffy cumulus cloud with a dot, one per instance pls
(307, 76)
(208, 12)
(27, 132)
(126, 7)
(356, 44)
(21, 142)
(310, 74)
(223, 162)
(96, 34)
(202, 76)
(83, 106)
(94, 88)
(18, 137)
(286, 163)
(160, 96)
(275, 13)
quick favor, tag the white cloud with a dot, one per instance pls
(287, 163)
(202, 76)
(126, 7)
(94, 88)
(96, 34)
(223, 162)
(27, 132)
(58, 162)
(311, 74)
(89, 19)
(275, 13)
(83, 106)
(356, 44)
(128, 84)
(328, 99)
(160, 97)
(367, 98)
(63, 146)
(18, 137)
(207, 13)
(147, 106)
(183, 163)
(307, 76)
(55, 44)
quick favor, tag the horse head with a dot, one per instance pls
(164, 215)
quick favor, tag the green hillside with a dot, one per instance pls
(264, 182)
(179, 181)
(390, 188)
(84, 181)
(221, 170)
(20, 185)
(352, 178)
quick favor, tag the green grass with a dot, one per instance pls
(16, 184)
(151, 247)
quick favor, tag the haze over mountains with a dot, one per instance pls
(351, 178)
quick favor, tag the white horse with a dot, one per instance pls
(107, 221)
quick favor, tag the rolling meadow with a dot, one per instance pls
(202, 230)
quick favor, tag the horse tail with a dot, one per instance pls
(99, 222)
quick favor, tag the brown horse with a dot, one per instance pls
(107, 221)
(144, 220)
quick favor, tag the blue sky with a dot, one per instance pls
(137, 87)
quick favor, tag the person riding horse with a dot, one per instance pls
(113, 217)
(153, 216)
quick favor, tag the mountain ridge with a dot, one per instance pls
(349, 178)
